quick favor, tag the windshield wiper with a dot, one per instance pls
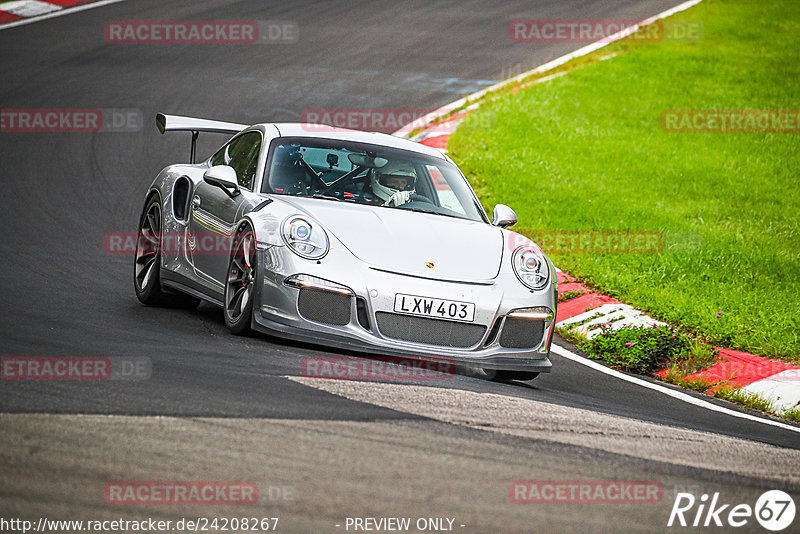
(420, 210)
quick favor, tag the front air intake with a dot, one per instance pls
(521, 333)
(324, 306)
(429, 331)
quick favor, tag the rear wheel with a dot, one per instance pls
(505, 376)
(146, 277)
(240, 282)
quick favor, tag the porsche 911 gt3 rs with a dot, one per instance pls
(347, 239)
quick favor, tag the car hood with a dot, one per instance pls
(402, 241)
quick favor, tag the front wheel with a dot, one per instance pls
(505, 376)
(240, 282)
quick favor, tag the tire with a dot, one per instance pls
(147, 262)
(240, 282)
(505, 376)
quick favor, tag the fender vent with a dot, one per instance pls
(180, 198)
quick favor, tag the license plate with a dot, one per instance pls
(437, 308)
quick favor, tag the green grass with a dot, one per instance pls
(585, 151)
(569, 295)
(792, 413)
(677, 377)
(738, 396)
(751, 400)
(571, 335)
(639, 349)
(697, 357)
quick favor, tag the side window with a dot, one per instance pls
(242, 155)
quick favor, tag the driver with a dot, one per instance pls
(393, 183)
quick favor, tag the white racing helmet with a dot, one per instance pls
(387, 180)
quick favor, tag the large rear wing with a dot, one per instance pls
(176, 123)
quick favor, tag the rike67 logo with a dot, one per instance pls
(774, 510)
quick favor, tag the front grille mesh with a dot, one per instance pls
(429, 331)
(521, 333)
(324, 306)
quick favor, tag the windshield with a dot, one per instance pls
(369, 174)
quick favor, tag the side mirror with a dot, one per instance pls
(503, 216)
(224, 177)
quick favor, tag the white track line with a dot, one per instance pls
(588, 49)
(54, 14)
(561, 351)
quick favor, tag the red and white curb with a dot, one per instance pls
(577, 311)
(614, 316)
(26, 11)
(772, 379)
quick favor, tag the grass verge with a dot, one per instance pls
(647, 350)
(586, 152)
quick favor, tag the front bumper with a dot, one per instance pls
(369, 294)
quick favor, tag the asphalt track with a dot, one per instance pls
(63, 295)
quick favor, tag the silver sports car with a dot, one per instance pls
(360, 241)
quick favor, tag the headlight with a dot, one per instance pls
(306, 239)
(531, 268)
